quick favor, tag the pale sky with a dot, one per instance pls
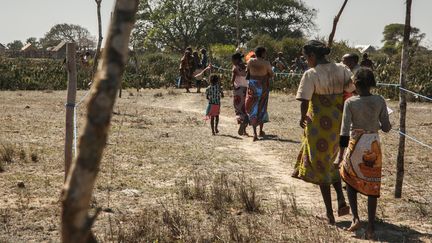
(362, 22)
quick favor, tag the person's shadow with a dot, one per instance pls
(387, 232)
(277, 138)
(230, 136)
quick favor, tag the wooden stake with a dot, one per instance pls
(402, 101)
(78, 189)
(70, 105)
(335, 22)
(100, 37)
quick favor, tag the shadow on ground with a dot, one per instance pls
(277, 138)
(387, 232)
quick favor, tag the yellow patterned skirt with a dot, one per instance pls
(320, 143)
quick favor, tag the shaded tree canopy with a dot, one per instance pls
(68, 32)
(176, 24)
(393, 37)
(33, 41)
(15, 45)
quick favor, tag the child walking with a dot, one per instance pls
(363, 116)
(214, 93)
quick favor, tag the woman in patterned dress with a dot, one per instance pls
(260, 72)
(321, 94)
(240, 85)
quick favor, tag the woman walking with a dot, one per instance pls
(240, 85)
(186, 70)
(259, 71)
(363, 117)
(321, 94)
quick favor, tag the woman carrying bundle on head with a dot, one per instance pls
(364, 115)
(321, 94)
(240, 85)
(259, 73)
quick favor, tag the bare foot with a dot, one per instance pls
(369, 234)
(355, 225)
(331, 219)
(262, 134)
(216, 130)
(255, 138)
(240, 131)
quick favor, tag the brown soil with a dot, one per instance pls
(158, 138)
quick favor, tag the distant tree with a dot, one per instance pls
(393, 37)
(33, 41)
(176, 24)
(277, 18)
(15, 45)
(68, 32)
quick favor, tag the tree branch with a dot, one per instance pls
(77, 192)
(335, 22)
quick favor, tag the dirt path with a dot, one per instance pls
(270, 165)
(265, 160)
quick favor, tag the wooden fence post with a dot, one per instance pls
(402, 101)
(70, 105)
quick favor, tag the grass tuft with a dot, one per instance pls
(247, 194)
(7, 152)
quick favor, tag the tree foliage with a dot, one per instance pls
(176, 24)
(15, 45)
(68, 32)
(393, 36)
(33, 41)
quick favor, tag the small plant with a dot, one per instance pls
(221, 193)
(248, 196)
(34, 157)
(193, 189)
(23, 155)
(234, 231)
(172, 92)
(176, 222)
(7, 152)
(158, 95)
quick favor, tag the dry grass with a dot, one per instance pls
(165, 178)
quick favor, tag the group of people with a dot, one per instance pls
(298, 65)
(251, 87)
(340, 117)
(191, 67)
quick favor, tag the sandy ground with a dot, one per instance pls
(158, 138)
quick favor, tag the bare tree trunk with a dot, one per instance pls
(77, 192)
(238, 23)
(335, 22)
(402, 101)
(100, 37)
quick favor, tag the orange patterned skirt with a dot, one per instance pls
(362, 164)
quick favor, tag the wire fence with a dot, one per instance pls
(75, 120)
(417, 95)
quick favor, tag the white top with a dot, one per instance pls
(325, 79)
(240, 80)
